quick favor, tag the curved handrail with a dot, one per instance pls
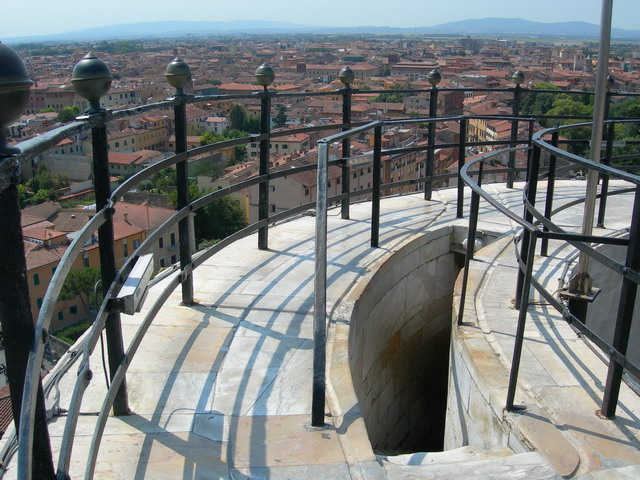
(476, 188)
(532, 230)
(583, 162)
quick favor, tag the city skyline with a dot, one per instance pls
(50, 18)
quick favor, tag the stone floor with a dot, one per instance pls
(222, 389)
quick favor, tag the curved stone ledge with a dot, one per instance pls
(560, 380)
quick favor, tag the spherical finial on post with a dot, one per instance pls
(434, 77)
(14, 90)
(346, 76)
(517, 78)
(265, 75)
(178, 74)
(611, 82)
(92, 79)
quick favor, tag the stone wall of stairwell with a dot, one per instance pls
(399, 342)
(477, 378)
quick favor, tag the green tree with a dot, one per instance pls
(629, 108)
(42, 187)
(210, 137)
(280, 120)
(194, 194)
(43, 195)
(252, 125)
(239, 152)
(237, 117)
(81, 283)
(62, 180)
(69, 114)
(218, 220)
(564, 105)
(164, 179)
(535, 103)
(207, 169)
(23, 195)
(234, 133)
(387, 97)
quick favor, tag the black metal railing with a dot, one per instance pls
(107, 317)
(537, 225)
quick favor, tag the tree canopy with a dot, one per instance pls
(239, 152)
(41, 187)
(563, 104)
(237, 117)
(69, 114)
(218, 220)
(538, 103)
(280, 120)
(81, 283)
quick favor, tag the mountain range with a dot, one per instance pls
(487, 26)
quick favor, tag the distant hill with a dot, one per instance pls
(485, 26)
(518, 26)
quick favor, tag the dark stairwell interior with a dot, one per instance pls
(399, 345)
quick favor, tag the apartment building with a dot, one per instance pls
(121, 98)
(293, 190)
(413, 70)
(123, 164)
(45, 244)
(285, 145)
(148, 218)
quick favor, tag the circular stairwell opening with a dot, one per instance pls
(399, 345)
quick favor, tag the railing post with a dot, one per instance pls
(434, 78)
(604, 188)
(375, 196)
(15, 307)
(264, 76)
(471, 241)
(347, 77)
(551, 182)
(178, 74)
(532, 185)
(522, 318)
(320, 291)
(625, 313)
(462, 152)
(115, 344)
(518, 78)
(529, 143)
(92, 79)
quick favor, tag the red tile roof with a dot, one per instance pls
(41, 255)
(144, 216)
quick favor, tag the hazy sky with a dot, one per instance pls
(46, 16)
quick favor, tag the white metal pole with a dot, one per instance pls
(596, 131)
